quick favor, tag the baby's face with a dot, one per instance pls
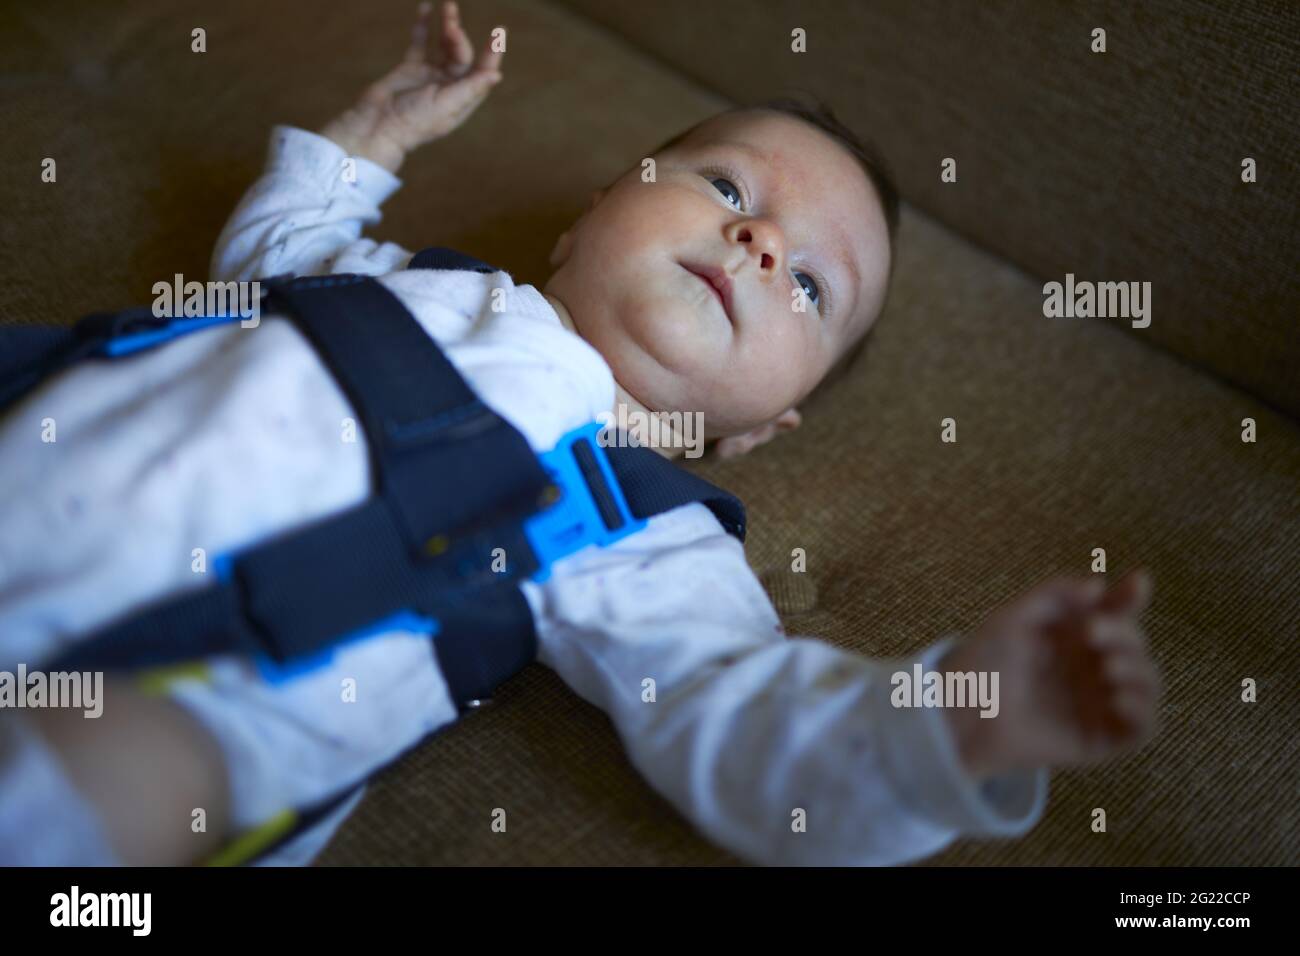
(777, 206)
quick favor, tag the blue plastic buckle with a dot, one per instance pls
(574, 521)
(570, 524)
(275, 672)
(138, 341)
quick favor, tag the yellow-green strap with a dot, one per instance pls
(252, 842)
(156, 680)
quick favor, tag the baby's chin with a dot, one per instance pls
(655, 370)
(699, 416)
(672, 432)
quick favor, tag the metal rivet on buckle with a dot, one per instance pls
(549, 495)
(478, 702)
(437, 545)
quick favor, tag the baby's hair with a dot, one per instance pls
(812, 109)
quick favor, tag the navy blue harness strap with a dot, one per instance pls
(474, 667)
(425, 426)
(652, 485)
(281, 600)
(25, 343)
(441, 257)
(30, 352)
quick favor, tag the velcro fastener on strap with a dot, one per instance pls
(314, 584)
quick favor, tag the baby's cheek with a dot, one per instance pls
(738, 401)
(785, 361)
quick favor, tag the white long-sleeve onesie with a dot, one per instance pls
(785, 750)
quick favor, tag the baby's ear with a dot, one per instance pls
(564, 245)
(560, 251)
(734, 445)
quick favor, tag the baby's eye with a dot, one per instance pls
(731, 185)
(814, 296)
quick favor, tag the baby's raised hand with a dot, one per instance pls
(420, 101)
(1076, 684)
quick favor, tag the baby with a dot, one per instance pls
(731, 283)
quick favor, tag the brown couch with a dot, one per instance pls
(1073, 434)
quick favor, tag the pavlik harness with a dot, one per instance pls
(461, 511)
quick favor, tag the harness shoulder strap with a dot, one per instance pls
(20, 345)
(31, 353)
(653, 485)
(28, 353)
(441, 257)
(650, 483)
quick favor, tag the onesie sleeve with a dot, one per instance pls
(784, 750)
(304, 215)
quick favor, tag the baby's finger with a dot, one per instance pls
(1107, 633)
(490, 61)
(457, 52)
(1131, 669)
(416, 52)
(1099, 727)
(1130, 595)
(1048, 601)
(1133, 715)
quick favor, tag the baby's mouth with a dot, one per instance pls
(719, 284)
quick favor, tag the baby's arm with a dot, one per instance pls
(305, 215)
(784, 750)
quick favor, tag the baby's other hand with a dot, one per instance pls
(1076, 683)
(420, 101)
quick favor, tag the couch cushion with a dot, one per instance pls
(1071, 436)
(1122, 166)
